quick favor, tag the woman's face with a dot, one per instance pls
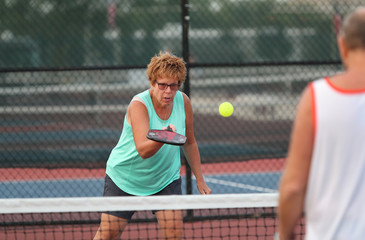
(164, 90)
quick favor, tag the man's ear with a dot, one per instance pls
(342, 48)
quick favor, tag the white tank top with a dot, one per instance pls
(335, 200)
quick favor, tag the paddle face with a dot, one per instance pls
(166, 136)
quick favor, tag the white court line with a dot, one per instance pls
(239, 185)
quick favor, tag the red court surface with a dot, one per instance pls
(14, 174)
(220, 229)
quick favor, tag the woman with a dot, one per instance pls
(138, 166)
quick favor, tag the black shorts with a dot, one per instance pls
(110, 189)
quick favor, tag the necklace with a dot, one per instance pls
(163, 113)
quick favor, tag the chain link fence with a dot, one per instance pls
(68, 70)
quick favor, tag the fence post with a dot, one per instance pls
(185, 52)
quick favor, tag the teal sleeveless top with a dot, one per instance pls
(143, 177)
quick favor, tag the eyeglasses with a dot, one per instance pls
(173, 86)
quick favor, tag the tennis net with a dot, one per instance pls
(219, 216)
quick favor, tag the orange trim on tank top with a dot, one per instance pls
(341, 90)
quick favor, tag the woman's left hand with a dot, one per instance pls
(203, 188)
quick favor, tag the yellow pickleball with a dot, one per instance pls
(226, 109)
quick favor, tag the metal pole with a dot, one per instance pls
(185, 52)
(185, 41)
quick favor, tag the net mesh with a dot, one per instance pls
(220, 216)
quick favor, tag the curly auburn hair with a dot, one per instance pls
(168, 65)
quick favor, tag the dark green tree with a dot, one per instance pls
(138, 21)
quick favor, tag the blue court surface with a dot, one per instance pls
(266, 182)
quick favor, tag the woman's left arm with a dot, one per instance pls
(191, 150)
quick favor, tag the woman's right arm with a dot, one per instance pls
(137, 117)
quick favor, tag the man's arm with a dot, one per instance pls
(295, 176)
